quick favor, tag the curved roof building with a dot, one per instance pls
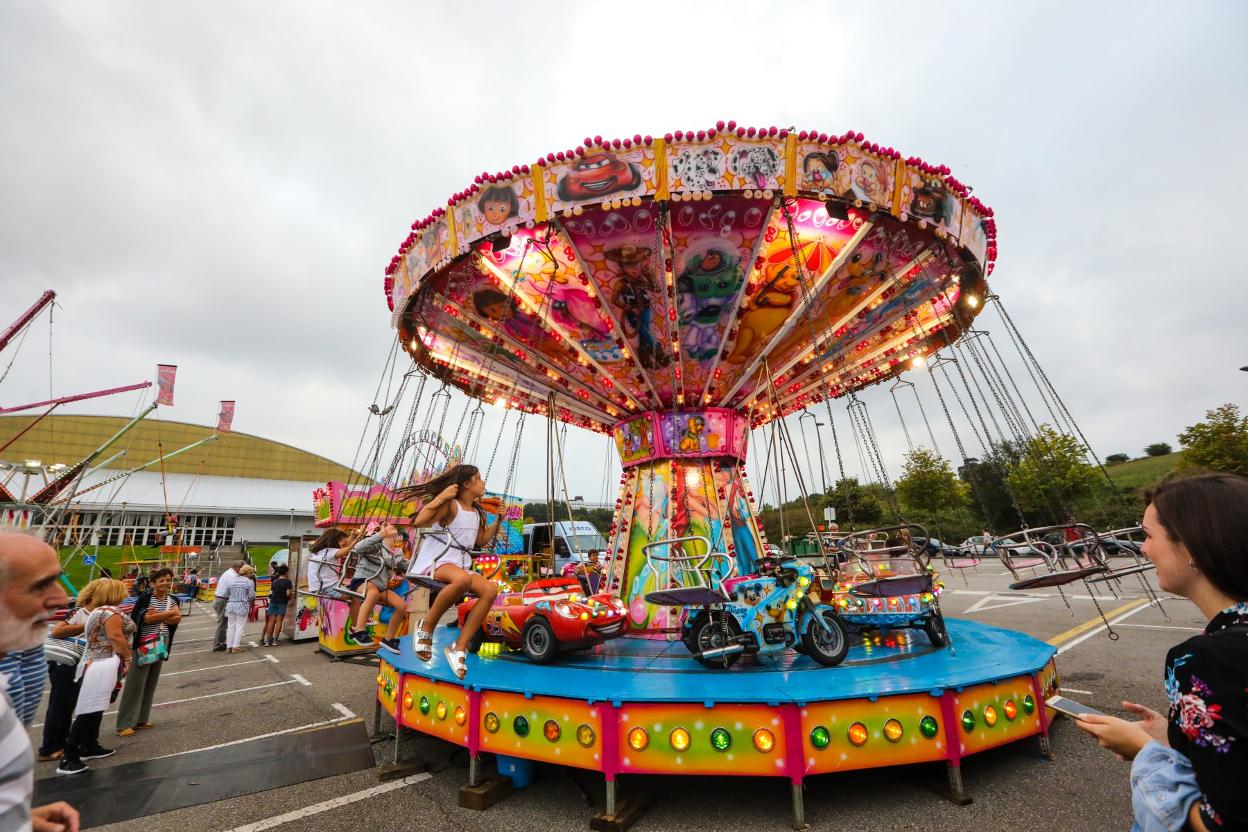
(237, 487)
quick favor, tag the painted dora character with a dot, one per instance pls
(498, 204)
(503, 309)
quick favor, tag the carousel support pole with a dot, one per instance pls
(398, 766)
(1046, 747)
(480, 794)
(617, 815)
(795, 763)
(799, 806)
(953, 789)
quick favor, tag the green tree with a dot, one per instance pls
(1052, 473)
(1115, 459)
(855, 503)
(991, 499)
(1220, 443)
(1159, 449)
(929, 485)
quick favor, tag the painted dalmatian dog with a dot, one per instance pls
(756, 163)
(699, 170)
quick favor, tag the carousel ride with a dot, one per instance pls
(678, 294)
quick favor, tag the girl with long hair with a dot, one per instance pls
(453, 508)
(1190, 765)
(379, 557)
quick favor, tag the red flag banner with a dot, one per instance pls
(225, 417)
(165, 376)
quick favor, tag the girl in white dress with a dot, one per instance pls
(452, 507)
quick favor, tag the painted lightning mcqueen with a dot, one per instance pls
(548, 616)
(599, 174)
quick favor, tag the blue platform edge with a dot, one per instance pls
(647, 670)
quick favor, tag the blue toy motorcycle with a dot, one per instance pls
(760, 614)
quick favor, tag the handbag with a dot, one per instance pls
(152, 649)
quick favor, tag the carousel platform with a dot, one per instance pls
(645, 706)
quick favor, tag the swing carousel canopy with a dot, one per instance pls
(738, 270)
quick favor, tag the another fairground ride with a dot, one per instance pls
(682, 295)
(46, 498)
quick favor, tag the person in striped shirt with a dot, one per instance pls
(30, 591)
(159, 610)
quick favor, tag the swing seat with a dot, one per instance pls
(1027, 563)
(1061, 578)
(893, 587)
(1122, 573)
(427, 582)
(962, 563)
(686, 596)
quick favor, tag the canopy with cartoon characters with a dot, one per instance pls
(754, 270)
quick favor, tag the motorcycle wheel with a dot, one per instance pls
(935, 629)
(826, 646)
(708, 632)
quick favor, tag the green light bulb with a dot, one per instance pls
(721, 740)
(819, 737)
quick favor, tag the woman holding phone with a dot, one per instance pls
(1190, 767)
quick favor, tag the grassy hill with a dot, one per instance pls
(1143, 472)
(109, 557)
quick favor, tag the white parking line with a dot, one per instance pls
(325, 806)
(1096, 630)
(267, 658)
(1165, 627)
(297, 680)
(338, 706)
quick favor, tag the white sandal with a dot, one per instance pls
(457, 659)
(423, 644)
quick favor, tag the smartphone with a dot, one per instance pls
(1070, 707)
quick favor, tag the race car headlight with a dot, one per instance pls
(565, 611)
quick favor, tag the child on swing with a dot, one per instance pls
(453, 506)
(379, 556)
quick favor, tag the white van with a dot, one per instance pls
(573, 540)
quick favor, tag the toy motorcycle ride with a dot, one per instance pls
(760, 614)
(896, 587)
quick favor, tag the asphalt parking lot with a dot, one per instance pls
(206, 699)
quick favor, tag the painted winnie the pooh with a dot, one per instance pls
(765, 313)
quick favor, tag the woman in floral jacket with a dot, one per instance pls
(1190, 768)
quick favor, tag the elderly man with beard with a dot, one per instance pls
(30, 591)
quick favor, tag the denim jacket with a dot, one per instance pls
(1163, 789)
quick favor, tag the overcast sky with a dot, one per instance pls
(220, 185)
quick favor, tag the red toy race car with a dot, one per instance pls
(547, 616)
(599, 174)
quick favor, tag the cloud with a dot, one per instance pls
(220, 186)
